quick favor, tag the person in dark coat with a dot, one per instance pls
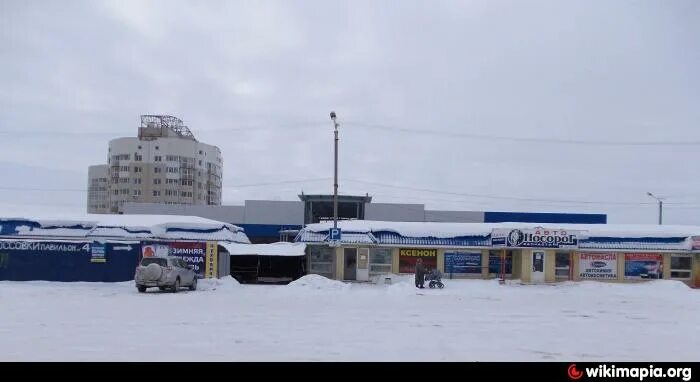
(420, 273)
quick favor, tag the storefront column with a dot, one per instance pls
(441, 260)
(620, 266)
(526, 265)
(695, 274)
(395, 260)
(667, 265)
(485, 264)
(575, 268)
(550, 266)
(339, 263)
(517, 261)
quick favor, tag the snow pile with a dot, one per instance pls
(223, 284)
(317, 282)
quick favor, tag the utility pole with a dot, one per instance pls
(335, 182)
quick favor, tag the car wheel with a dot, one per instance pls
(194, 284)
(141, 288)
(176, 286)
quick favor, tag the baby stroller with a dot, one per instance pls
(434, 279)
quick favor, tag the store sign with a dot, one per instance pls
(598, 266)
(408, 258)
(534, 238)
(463, 262)
(643, 266)
(212, 260)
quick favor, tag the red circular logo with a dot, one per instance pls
(574, 373)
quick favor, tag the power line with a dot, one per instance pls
(277, 183)
(587, 202)
(523, 139)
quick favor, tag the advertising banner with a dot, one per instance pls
(98, 251)
(193, 253)
(463, 262)
(597, 266)
(643, 266)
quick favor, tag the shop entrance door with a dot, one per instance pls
(350, 272)
(537, 266)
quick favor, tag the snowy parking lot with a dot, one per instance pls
(320, 319)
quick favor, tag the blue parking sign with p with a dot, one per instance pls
(335, 234)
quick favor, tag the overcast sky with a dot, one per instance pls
(457, 105)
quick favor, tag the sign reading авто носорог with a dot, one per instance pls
(534, 238)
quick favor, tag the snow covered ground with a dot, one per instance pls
(319, 319)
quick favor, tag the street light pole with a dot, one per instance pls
(661, 206)
(335, 178)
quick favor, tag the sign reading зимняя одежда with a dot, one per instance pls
(597, 266)
(534, 238)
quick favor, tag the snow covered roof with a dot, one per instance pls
(123, 226)
(274, 249)
(591, 236)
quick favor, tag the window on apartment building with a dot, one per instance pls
(156, 193)
(139, 147)
(137, 192)
(157, 147)
(138, 157)
(137, 169)
(156, 181)
(125, 191)
(157, 170)
(115, 192)
(187, 182)
(157, 158)
(200, 152)
(137, 180)
(681, 266)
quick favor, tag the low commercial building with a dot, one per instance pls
(107, 248)
(269, 221)
(532, 253)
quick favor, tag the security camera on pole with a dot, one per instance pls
(335, 232)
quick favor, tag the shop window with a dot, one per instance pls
(495, 262)
(562, 265)
(379, 261)
(321, 261)
(681, 266)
